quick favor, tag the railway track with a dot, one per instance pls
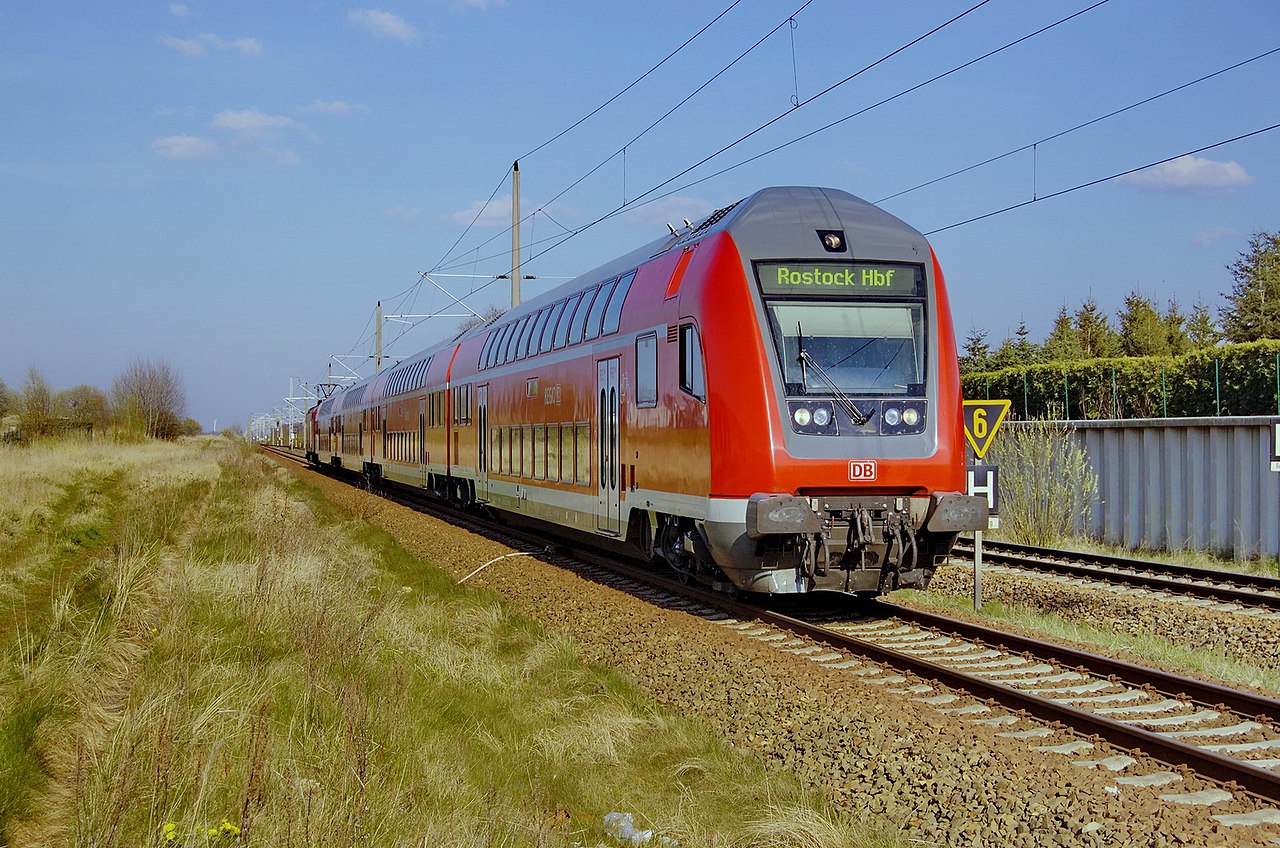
(1228, 591)
(1033, 691)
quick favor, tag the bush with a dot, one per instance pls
(1236, 379)
(1047, 486)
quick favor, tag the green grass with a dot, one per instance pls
(236, 653)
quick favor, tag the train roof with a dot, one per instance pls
(778, 221)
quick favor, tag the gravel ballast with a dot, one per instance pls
(937, 776)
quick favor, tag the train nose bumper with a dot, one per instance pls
(952, 512)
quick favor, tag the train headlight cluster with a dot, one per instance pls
(901, 417)
(813, 418)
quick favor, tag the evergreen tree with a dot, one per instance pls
(1254, 303)
(1063, 344)
(1006, 356)
(1029, 353)
(1201, 329)
(1175, 326)
(977, 353)
(1097, 338)
(1142, 331)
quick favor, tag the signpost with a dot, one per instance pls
(982, 418)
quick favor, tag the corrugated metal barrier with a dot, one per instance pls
(1186, 483)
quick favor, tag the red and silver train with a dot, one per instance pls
(768, 401)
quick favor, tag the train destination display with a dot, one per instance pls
(832, 278)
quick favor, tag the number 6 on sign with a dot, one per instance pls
(982, 418)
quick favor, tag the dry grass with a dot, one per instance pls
(230, 661)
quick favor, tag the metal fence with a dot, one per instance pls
(1186, 483)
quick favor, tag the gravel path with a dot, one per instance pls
(945, 781)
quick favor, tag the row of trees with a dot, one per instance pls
(1144, 327)
(146, 400)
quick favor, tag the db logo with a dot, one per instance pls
(862, 469)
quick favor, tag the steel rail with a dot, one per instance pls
(1030, 558)
(1262, 783)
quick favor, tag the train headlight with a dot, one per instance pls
(802, 416)
(892, 416)
(822, 416)
(910, 416)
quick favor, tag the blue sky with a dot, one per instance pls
(230, 187)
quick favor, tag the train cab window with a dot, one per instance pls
(549, 331)
(858, 348)
(647, 370)
(613, 315)
(580, 316)
(562, 329)
(596, 315)
(692, 377)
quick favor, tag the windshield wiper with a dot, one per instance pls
(843, 400)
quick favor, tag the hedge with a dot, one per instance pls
(1239, 379)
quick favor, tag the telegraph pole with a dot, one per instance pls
(515, 233)
(377, 367)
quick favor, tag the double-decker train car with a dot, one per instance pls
(768, 401)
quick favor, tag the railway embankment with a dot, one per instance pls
(875, 750)
(204, 651)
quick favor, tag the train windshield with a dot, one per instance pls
(858, 348)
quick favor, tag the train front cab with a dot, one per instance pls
(850, 479)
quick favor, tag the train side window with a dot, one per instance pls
(484, 351)
(553, 452)
(521, 337)
(535, 335)
(580, 317)
(498, 346)
(647, 370)
(692, 377)
(596, 316)
(613, 315)
(582, 454)
(549, 331)
(566, 453)
(562, 330)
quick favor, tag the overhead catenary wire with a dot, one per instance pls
(1080, 126)
(641, 200)
(1101, 180)
(622, 151)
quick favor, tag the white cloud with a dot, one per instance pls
(334, 107)
(1190, 173)
(203, 43)
(184, 147)
(497, 215)
(403, 213)
(493, 216)
(251, 123)
(384, 25)
(178, 10)
(1213, 236)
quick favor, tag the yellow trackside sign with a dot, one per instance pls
(981, 420)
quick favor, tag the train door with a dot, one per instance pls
(482, 443)
(609, 490)
(422, 439)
